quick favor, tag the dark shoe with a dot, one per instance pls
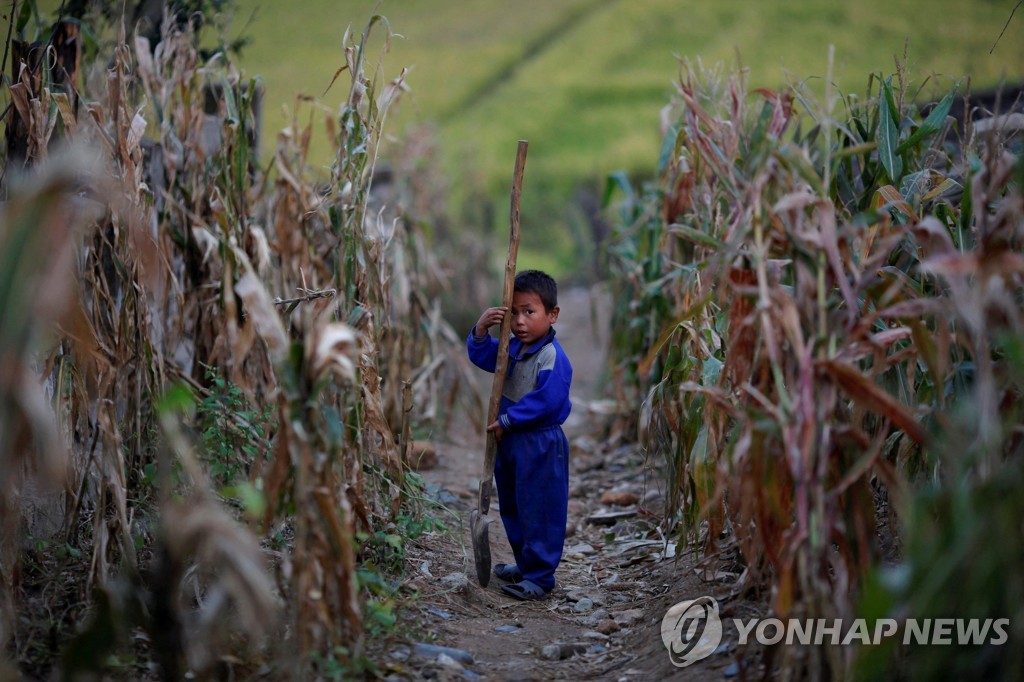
(508, 572)
(524, 590)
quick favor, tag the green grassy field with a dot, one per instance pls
(584, 80)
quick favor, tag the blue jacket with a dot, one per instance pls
(536, 390)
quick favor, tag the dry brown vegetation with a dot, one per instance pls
(231, 364)
(824, 326)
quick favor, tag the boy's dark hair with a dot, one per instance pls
(540, 283)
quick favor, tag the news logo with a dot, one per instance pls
(691, 630)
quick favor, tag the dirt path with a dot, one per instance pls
(603, 619)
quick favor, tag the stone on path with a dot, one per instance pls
(619, 499)
(559, 651)
(584, 605)
(434, 651)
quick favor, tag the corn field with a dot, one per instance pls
(823, 324)
(212, 365)
(211, 369)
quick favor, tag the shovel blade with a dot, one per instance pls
(481, 546)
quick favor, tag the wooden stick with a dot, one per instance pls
(484, 502)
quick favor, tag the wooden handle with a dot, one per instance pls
(501, 367)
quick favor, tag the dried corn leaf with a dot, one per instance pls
(335, 347)
(872, 397)
(264, 315)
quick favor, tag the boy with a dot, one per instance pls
(531, 471)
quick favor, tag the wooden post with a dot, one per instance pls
(484, 503)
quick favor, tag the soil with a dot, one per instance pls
(615, 582)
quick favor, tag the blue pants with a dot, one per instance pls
(531, 475)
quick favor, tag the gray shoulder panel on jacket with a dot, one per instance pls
(546, 357)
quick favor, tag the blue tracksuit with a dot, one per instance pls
(531, 472)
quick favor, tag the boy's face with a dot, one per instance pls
(530, 322)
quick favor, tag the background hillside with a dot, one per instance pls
(584, 80)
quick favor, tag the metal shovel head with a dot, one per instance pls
(481, 546)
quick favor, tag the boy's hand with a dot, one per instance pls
(497, 429)
(488, 319)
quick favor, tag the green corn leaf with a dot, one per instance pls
(796, 158)
(855, 150)
(887, 134)
(931, 125)
(712, 371)
(694, 235)
(670, 147)
(23, 16)
(767, 110)
(229, 101)
(617, 180)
